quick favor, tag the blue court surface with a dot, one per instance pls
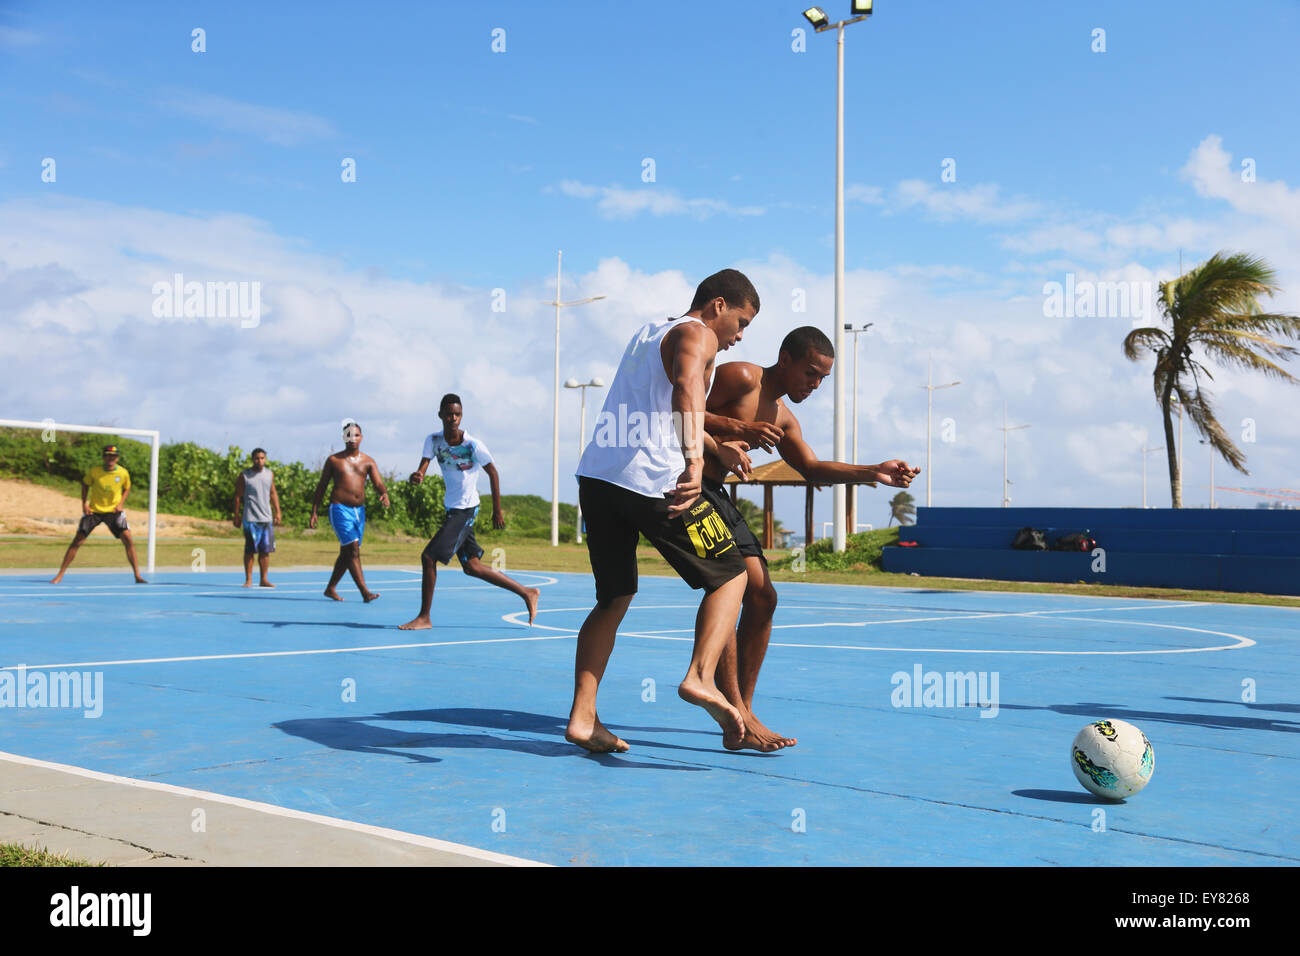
(457, 733)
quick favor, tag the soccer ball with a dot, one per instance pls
(1112, 759)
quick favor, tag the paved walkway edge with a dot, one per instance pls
(124, 821)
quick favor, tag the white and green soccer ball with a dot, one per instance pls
(1112, 759)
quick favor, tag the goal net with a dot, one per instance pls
(49, 429)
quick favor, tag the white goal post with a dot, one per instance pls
(154, 441)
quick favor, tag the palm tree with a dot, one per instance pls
(753, 516)
(901, 506)
(1213, 308)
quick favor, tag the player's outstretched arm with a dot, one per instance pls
(325, 474)
(805, 461)
(373, 471)
(417, 476)
(236, 510)
(730, 454)
(275, 503)
(896, 473)
(494, 479)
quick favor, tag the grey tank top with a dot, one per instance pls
(257, 494)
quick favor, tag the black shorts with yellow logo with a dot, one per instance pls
(740, 530)
(697, 544)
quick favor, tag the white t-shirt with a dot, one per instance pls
(461, 465)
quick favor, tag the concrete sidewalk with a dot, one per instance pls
(125, 822)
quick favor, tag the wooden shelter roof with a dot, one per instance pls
(773, 473)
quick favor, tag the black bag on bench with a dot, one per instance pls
(1074, 542)
(1030, 539)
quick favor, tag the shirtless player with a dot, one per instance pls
(348, 469)
(745, 405)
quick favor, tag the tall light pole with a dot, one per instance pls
(1206, 442)
(855, 333)
(555, 434)
(821, 22)
(582, 433)
(931, 388)
(1006, 495)
(1146, 451)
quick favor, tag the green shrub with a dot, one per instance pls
(863, 548)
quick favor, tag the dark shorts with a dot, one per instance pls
(698, 544)
(456, 536)
(740, 530)
(115, 520)
(259, 537)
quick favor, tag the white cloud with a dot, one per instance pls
(1212, 173)
(273, 124)
(871, 195)
(617, 202)
(982, 202)
(12, 37)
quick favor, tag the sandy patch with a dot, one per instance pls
(33, 509)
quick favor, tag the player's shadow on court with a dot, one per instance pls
(263, 594)
(1281, 708)
(369, 627)
(545, 724)
(378, 627)
(1093, 711)
(359, 736)
(1065, 796)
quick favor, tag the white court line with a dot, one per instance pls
(663, 635)
(231, 657)
(512, 618)
(567, 632)
(89, 590)
(400, 836)
(974, 615)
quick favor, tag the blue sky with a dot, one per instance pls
(474, 167)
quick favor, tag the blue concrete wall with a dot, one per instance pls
(1223, 549)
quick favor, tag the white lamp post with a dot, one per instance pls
(1146, 451)
(555, 435)
(1206, 442)
(931, 388)
(1006, 491)
(582, 433)
(821, 22)
(855, 333)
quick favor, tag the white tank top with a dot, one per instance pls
(635, 445)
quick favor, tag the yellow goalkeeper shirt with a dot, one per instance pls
(106, 487)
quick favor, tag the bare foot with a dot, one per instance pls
(594, 736)
(248, 583)
(415, 624)
(332, 594)
(369, 596)
(694, 691)
(530, 599)
(758, 737)
(265, 584)
(140, 580)
(56, 579)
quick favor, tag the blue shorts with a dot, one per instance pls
(348, 522)
(259, 537)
